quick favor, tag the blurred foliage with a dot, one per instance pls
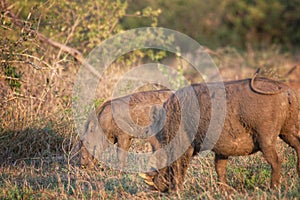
(216, 23)
(81, 25)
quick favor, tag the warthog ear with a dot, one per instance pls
(91, 126)
(155, 112)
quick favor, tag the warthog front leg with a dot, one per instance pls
(220, 166)
(124, 142)
(179, 168)
(171, 177)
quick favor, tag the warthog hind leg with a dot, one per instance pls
(268, 148)
(294, 141)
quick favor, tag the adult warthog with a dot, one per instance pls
(119, 121)
(258, 110)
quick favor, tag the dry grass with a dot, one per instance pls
(39, 158)
(61, 178)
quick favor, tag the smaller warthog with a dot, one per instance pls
(119, 121)
(257, 112)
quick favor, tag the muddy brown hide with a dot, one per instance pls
(119, 121)
(253, 122)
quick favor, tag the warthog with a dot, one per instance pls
(257, 112)
(119, 121)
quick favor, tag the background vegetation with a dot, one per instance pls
(42, 46)
(235, 23)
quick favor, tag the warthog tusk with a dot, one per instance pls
(145, 176)
(149, 182)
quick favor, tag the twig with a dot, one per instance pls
(291, 71)
(69, 36)
(12, 78)
(34, 57)
(26, 97)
